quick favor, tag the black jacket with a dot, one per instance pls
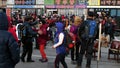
(83, 33)
(9, 48)
(29, 33)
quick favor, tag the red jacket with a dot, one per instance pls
(42, 39)
(12, 30)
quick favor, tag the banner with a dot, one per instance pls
(94, 2)
(49, 2)
(65, 2)
(10, 2)
(79, 2)
(39, 1)
(23, 6)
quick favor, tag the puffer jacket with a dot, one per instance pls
(9, 49)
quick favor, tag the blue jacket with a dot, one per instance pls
(61, 48)
(9, 49)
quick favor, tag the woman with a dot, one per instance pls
(42, 39)
(60, 46)
(74, 31)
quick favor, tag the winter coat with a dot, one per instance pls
(9, 49)
(61, 48)
(42, 39)
(30, 33)
(12, 30)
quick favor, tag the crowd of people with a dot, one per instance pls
(17, 32)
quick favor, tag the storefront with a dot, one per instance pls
(66, 7)
(26, 7)
(110, 7)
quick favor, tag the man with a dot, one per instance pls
(9, 49)
(87, 33)
(27, 39)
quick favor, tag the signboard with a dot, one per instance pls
(110, 2)
(50, 6)
(72, 2)
(49, 2)
(65, 6)
(94, 2)
(39, 1)
(23, 6)
(25, 2)
(10, 2)
(118, 2)
(57, 2)
(65, 2)
(80, 6)
(79, 2)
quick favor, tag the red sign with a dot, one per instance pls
(64, 2)
(72, 2)
(58, 2)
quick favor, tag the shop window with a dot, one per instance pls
(118, 12)
(113, 12)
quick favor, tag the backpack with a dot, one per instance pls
(22, 32)
(68, 40)
(88, 29)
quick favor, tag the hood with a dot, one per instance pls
(60, 27)
(3, 21)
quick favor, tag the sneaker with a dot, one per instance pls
(43, 60)
(30, 61)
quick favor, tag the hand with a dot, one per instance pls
(53, 47)
(40, 32)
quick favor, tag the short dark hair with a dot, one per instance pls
(2, 10)
(90, 13)
(27, 18)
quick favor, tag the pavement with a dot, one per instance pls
(51, 53)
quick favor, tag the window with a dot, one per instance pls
(113, 12)
(118, 12)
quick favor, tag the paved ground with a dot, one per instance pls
(103, 63)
